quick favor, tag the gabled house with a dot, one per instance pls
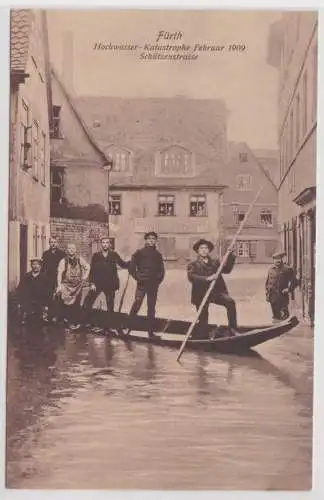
(29, 176)
(245, 174)
(79, 193)
(167, 155)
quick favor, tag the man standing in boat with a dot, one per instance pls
(51, 259)
(103, 275)
(281, 281)
(147, 268)
(200, 273)
(73, 272)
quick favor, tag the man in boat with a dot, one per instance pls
(73, 272)
(281, 281)
(51, 259)
(32, 292)
(147, 268)
(103, 275)
(200, 273)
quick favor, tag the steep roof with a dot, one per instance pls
(148, 125)
(269, 160)
(79, 117)
(20, 28)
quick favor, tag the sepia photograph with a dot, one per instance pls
(161, 249)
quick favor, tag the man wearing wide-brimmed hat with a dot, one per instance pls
(281, 281)
(200, 273)
(32, 292)
(147, 268)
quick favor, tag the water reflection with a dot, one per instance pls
(73, 397)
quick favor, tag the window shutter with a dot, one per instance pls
(253, 249)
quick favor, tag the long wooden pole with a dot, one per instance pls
(219, 270)
(123, 294)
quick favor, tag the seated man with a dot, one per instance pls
(200, 273)
(32, 292)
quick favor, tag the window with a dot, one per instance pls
(297, 119)
(57, 122)
(25, 136)
(266, 218)
(198, 206)
(43, 238)
(243, 157)
(121, 160)
(115, 204)
(57, 185)
(304, 118)
(42, 159)
(166, 205)
(243, 248)
(35, 150)
(238, 216)
(243, 182)
(176, 162)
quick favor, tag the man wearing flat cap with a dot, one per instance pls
(147, 268)
(281, 281)
(32, 292)
(200, 273)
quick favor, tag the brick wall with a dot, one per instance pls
(85, 234)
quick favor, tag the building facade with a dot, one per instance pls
(167, 155)
(293, 51)
(29, 177)
(79, 184)
(245, 175)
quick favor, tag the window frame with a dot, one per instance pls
(57, 132)
(25, 129)
(35, 150)
(172, 203)
(43, 159)
(111, 201)
(244, 245)
(57, 170)
(248, 185)
(266, 211)
(197, 196)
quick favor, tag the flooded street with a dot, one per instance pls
(96, 413)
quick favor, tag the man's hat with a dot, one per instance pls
(279, 255)
(150, 233)
(203, 242)
(106, 238)
(36, 259)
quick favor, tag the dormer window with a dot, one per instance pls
(174, 161)
(121, 159)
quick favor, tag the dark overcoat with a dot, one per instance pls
(199, 270)
(279, 279)
(147, 266)
(103, 270)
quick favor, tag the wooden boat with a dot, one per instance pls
(172, 332)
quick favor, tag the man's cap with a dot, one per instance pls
(150, 233)
(106, 238)
(200, 242)
(278, 255)
(36, 259)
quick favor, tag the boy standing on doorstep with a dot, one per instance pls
(147, 268)
(281, 281)
(73, 272)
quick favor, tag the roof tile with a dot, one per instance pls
(20, 27)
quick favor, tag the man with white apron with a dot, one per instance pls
(73, 272)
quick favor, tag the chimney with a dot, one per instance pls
(68, 61)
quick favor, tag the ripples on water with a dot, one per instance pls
(92, 412)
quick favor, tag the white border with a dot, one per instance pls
(318, 458)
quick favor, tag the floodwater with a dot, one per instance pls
(88, 412)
